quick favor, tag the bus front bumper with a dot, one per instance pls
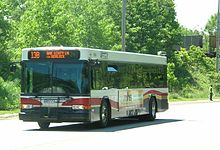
(54, 115)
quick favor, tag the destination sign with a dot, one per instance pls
(61, 54)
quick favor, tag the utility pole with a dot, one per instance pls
(218, 38)
(123, 24)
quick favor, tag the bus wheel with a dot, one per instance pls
(43, 125)
(152, 110)
(104, 114)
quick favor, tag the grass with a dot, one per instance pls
(187, 99)
(2, 112)
(179, 99)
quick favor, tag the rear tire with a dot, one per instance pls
(43, 125)
(152, 109)
(105, 114)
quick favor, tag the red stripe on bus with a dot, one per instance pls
(30, 101)
(77, 101)
(88, 102)
(96, 101)
(156, 92)
(114, 104)
(73, 101)
(82, 101)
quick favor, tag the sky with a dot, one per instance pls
(194, 14)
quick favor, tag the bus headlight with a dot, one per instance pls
(26, 106)
(77, 107)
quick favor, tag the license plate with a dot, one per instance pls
(49, 101)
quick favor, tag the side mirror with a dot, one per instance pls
(12, 68)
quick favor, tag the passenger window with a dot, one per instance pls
(112, 68)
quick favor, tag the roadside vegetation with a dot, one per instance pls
(151, 27)
(12, 111)
(190, 73)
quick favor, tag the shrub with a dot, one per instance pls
(9, 94)
(190, 73)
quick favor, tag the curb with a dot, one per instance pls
(194, 102)
(8, 116)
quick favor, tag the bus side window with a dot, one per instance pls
(112, 69)
(113, 76)
(99, 76)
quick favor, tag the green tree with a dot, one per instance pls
(5, 28)
(189, 32)
(97, 23)
(151, 26)
(9, 94)
(172, 79)
(190, 73)
(82, 23)
(46, 23)
(211, 26)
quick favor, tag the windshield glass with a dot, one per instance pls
(55, 78)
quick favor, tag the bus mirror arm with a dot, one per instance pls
(94, 63)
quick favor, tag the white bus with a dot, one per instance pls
(70, 84)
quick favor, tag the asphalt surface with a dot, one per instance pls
(185, 126)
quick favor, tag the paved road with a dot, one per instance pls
(182, 127)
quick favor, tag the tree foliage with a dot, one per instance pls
(189, 32)
(151, 26)
(9, 94)
(69, 23)
(211, 26)
(190, 72)
(4, 27)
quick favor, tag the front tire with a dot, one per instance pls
(105, 114)
(43, 125)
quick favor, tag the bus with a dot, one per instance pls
(73, 84)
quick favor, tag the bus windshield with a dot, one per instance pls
(49, 78)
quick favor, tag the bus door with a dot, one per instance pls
(131, 101)
(123, 100)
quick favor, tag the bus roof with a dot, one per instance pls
(104, 55)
